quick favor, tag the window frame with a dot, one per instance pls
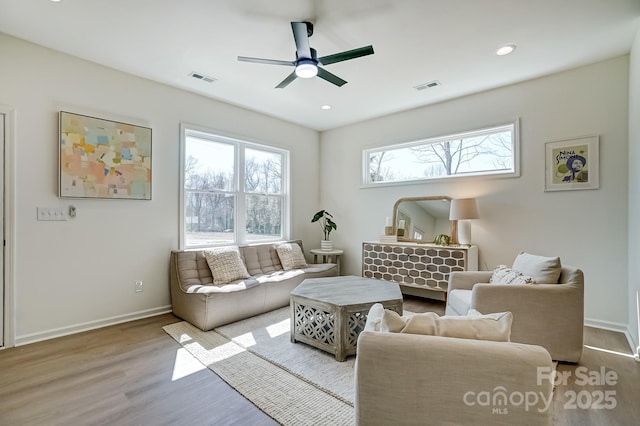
(240, 144)
(513, 126)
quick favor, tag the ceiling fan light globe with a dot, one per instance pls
(306, 69)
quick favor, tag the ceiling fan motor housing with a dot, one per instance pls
(307, 61)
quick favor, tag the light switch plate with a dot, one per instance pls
(51, 214)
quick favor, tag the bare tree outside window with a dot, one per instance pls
(263, 180)
(211, 193)
(489, 151)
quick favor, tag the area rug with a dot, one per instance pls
(268, 336)
(295, 384)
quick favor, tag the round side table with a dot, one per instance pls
(327, 256)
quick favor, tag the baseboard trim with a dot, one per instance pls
(91, 325)
(606, 325)
(614, 326)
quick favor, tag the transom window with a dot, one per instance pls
(491, 151)
(234, 192)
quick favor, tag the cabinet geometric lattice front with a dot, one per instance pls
(419, 269)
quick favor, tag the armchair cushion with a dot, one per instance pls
(493, 327)
(505, 275)
(542, 269)
(458, 302)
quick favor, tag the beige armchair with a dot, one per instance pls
(549, 315)
(414, 379)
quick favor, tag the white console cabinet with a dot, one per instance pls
(419, 269)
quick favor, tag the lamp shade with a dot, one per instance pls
(463, 208)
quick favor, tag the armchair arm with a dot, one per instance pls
(395, 375)
(522, 297)
(549, 315)
(465, 280)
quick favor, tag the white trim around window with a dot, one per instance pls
(492, 151)
(232, 191)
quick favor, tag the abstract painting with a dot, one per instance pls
(572, 164)
(103, 159)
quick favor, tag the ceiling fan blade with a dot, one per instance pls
(302, 39)
(331, 78)
(267, 61)
(345, 56)
(284, 83)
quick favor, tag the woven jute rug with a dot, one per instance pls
(283, 395)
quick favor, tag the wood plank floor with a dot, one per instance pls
(135, 374)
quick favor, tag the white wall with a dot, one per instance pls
(83, 271)
(634, 193)
(585, 228)
(62, 280)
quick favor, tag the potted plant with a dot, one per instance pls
(325, 219)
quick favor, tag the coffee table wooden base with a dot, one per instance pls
(332, 323)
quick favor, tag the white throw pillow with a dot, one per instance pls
(291, 256)
(494, 327)
(226, 264)
(505, 275)
(544, 270)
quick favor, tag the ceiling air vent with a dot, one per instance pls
(429, 85)
(203, 77)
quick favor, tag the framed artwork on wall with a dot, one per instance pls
(572, 164)
(105, 159)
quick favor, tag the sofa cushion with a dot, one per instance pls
(543, 269)
(505, 275)
(260, 259)
(494, 327)
(226, 264)
(291, 256)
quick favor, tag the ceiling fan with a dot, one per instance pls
(307, 61)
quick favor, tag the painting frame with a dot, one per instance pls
(572, 164)
(103, 159)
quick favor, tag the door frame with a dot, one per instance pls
(9, 227)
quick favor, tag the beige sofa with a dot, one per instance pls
(196, 300)
(412, 379)
(550, 315)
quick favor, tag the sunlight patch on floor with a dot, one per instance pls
(279, 328)
(608, 351)
(246, 340)
(185, 364)
(184, 337)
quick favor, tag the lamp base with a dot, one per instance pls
(464, 232)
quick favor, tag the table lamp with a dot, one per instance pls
(462, 211)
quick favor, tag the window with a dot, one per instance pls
(234, 192)
(491, 151)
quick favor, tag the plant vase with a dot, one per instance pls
(326, 245)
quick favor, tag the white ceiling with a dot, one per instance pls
(415, 41)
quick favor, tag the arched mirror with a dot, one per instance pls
(422, 218)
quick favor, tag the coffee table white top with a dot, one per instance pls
(348, 290)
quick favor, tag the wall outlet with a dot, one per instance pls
(138, 286)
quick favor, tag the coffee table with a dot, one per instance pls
(329, 313)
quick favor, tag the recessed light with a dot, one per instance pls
(325, 107)
(55, 1)
(506, 49)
